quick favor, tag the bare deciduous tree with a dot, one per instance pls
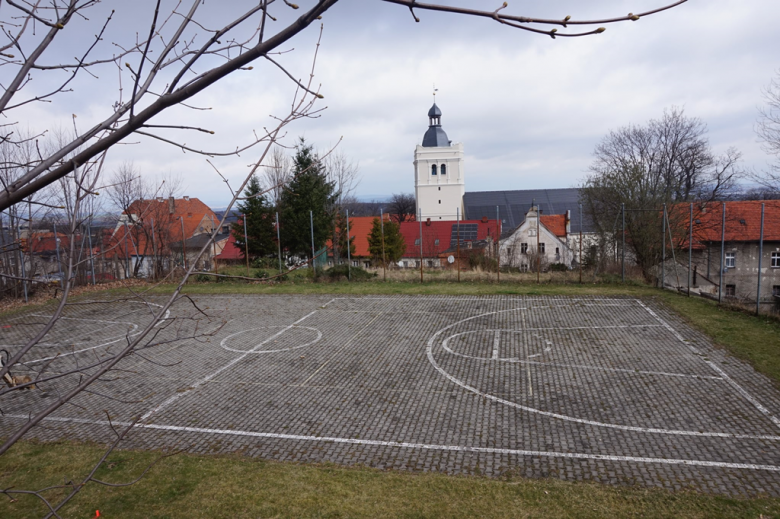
(768, 130)
(403, 207)
(667, 161)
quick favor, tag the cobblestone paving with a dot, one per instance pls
(619, 391)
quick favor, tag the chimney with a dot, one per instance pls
(568, 222)
(428, 222)
(171, 205)
(186, 198)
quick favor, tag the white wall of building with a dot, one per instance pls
(439, 197)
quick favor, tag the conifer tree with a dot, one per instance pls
(309, 190)
(260, 221)
(395, 247)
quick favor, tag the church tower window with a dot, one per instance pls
(433, 169)
(443, 169)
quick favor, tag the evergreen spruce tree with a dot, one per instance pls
(309, 190)
(395, 247)
(260, 220)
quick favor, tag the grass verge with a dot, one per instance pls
(204, 487)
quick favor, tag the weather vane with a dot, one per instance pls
(434, 92)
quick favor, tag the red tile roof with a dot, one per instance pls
(230, 251)
(441, 231)
(555, 223)
(743, 221)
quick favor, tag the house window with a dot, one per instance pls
(433, 169)
(541, 248)
(523, 248)
(406, 264)
(731, 260)
(776, 260)
(443, 169)
(524, 267)
(557, 251)
(355, 263)
(776, 290)
(731, 290)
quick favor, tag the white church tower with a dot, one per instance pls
(439, 184)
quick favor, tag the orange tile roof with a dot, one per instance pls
(743, 221)
(555, 223)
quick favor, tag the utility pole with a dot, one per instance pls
(183, 256)
(538, 252)
(663, 252)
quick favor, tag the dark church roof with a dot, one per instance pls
(513, 205)
(435, 137)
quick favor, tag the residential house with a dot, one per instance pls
(539, 241)
(439, 240)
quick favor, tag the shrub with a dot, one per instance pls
(343, 272)
(203, 278)
(558, 267)
(265, 263)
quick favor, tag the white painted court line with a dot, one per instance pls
(421, 446)
(432, 360)
(233, 362)
(223, 342)
(716, 368)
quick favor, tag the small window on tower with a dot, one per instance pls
(439, 202)
(443, 169)
(439, 188)
(433, 169)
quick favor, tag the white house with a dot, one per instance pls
(549, 235)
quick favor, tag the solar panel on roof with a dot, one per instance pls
(468, 232)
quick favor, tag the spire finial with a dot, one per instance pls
(434, 93)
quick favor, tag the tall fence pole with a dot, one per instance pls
(311, 222)
(498, 247)
(246, 245)
(91, 252)
(663, 250)
(760, 257)
(457, 212)
(580, 244)
(421, 248)
(214, 244)
(722, 253)
(538, 252)
(278, 243)
(183, 255)
(690, 250)
(21, 256)
(382, 229)
(349, 252)
(623, 246)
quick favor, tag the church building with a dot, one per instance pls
(439, 184)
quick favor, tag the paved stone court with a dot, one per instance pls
(616, 390)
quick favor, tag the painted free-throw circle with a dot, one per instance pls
(487, 345)
(283, 329)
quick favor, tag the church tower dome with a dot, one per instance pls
(435, 137)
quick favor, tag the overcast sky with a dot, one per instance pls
(528, 109)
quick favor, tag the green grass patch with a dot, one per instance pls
(210, 486)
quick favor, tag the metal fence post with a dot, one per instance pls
(91, 254)
(421, 248)
(663, 251)
(349, 252)
(580, 244)
(760, 257)
(722, 253)
(311, 222)
(21, 255)
(690, 250)
(498, 247)
(59, 262)
(382, 228)
(278, 242)
(623, 246)
(457, 212)
(246, 245)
